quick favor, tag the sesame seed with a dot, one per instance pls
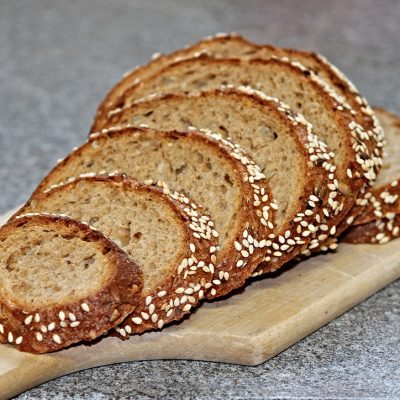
(18, 340)
(145, 316)
(85, 307)
(238, 246)
(192, 247)
(154, 318)
(57, 339)
(39, 336)
(10, 337)
(51, 326)
(151, 309)
(162, 293)
(75, 324)
(187, 307)
(137, 320)
(28, 320)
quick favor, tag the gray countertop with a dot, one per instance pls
(57, 60)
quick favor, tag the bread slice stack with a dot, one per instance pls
(203, 168)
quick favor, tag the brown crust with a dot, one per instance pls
(379, 207)
(290, 241)
(375, 232)
(250, 222)
(96, 318)
(159, 311)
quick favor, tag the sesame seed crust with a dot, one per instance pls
(377, 219)
(47, 329)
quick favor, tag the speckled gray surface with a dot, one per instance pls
(58, 58)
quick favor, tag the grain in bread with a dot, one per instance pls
(155, 229)
(278, 139)
(61, 282)
(210, 170)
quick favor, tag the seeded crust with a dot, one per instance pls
(378, 212)
(278, 139)
(38, 328)
(246, 226)
(81, 199)
(301, 89)
(232, 45)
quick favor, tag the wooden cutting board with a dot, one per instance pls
(267, 317)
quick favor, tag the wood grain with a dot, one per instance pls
(267, 317)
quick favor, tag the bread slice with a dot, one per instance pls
(279, 141)
(297, 87)
(61, 282)
(377, 218)
(231, 45)
(208, 169)
(154, 228)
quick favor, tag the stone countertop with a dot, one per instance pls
(58, 59)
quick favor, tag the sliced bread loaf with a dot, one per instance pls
(278, 139)
(61, 282)
(378, 213)
(171, 240)
(231, 45)
(294, 85)
(207, 168)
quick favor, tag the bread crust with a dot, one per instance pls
(318, 184)
(377, 213)
(40, 330)
(255, 219)
(374, 232)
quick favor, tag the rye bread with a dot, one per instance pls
(278, 139)
(235, 46)
(155, 229)
(210, 170)
(378, 212)
(61, 282)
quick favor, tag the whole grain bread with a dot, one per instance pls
(210, 170)
(378, 212)
(156, 229)
(235, 46)
(61, 282)
(278, 139)
(296, 86)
